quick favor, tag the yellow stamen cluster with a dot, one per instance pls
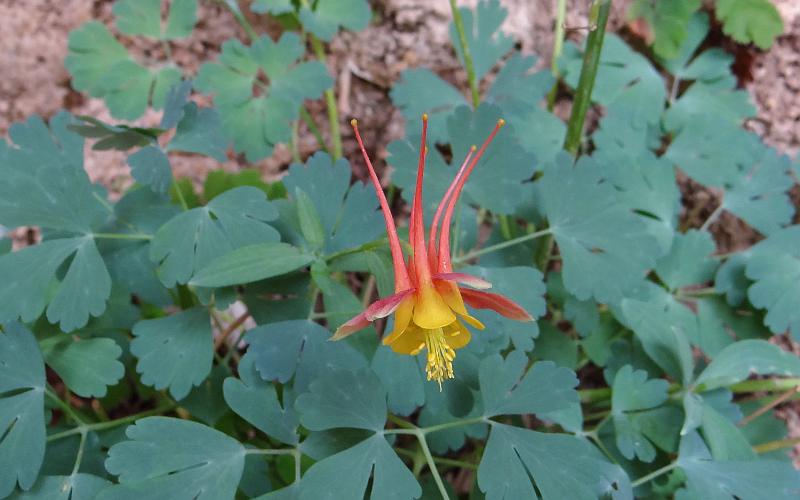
(440, 356)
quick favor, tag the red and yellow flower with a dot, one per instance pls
(429, 300)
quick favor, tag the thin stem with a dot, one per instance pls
(699, 292)
(673, 91)
(258, 451)
(369, 290)
(109, 424)
(233, 6)
(786, 396)
(447, 462)
(103, 202)
(312, 126)
(583, 94)
(230, 329)
(468, 64)
(455, 423)
(780, 444)
(297, 466)
(314, 296)
(122, 236)
(747, 386)
(65, 407)
(501, 246)
(767, 384)
(558, 47)
(330, 101)
(656, 473)
(558, 43)
(181, 198)
(293, 142)
(594, 395)
(712, 218)
(432, 466)
(404, 432)
(400, 422)
(79, 456)
(167, 50)
(545, 252)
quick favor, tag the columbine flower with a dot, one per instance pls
(428, 302)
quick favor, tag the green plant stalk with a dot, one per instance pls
(79, 456)
(558, 47)
(312, 127)
(65, 407)
(656, 473)
(501, 246)
(583, 98)
(468, 64)
(432, 466)
(330, 101)
(589, 396)
(782, 398)
(100, 426)
(181, 198)
(293, 143)
(447, 462)
(233, 7)
(780, 444)
(122, 236)
(583, 94)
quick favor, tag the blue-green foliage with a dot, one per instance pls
(136, 306)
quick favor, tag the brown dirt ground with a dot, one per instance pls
(407, 33)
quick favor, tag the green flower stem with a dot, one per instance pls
(85, 428)
(272, 451)
(419, 433)
(468, 64)
(79, 456)
(780, 444)
(589, 396)
(765, 385)
(233, 6)
(312, 127)
(400, 422)
(656, 473)
(293, 142)
(432, 466)
(500, 246)
(330, 101)
(122, 236)
(786, 396)
(583, 98)
(583, 94)
(179, 194)
(713, 217)
(65, 407)
(409, 428)
(447, 462)
(558, 47)
(314, 296)
(545, 253)
(699, 292)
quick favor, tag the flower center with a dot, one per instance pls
(440, 356)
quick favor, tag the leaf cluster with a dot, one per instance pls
(173, 342)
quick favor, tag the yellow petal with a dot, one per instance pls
(409, 342)
(402, 317)
(451, 296)
(431, 311)
(472, 320)
(457, 335)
